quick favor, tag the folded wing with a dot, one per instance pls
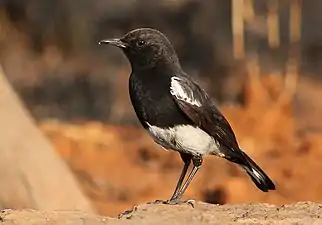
(196, 105)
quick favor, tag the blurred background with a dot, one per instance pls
(260, 60)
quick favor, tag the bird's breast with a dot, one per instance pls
(153, 103)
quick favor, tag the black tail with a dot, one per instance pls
(258, 176)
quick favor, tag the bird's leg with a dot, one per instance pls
(187, 160)
(175, 199)
(197, 162)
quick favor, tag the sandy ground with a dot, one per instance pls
(299, 213)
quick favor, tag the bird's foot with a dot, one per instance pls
(128, 213)
(156, 202)
(174, 202)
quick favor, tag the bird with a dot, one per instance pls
(176, 111)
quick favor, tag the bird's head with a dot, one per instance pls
(146, 48)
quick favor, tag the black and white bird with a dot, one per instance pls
(176, 111)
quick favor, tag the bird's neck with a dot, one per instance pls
(167, 65)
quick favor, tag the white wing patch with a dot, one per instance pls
(181, 93)
(257, 174)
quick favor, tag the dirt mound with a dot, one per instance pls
(300, 213)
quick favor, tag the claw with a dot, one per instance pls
(190, 202)
(156, 202)
(128, 213)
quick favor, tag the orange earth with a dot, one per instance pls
(120, 166)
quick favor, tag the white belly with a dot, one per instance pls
(184, 138)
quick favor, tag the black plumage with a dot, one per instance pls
(176, 111)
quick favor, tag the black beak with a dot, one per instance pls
(115, 41)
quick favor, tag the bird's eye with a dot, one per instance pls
(141, 43)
